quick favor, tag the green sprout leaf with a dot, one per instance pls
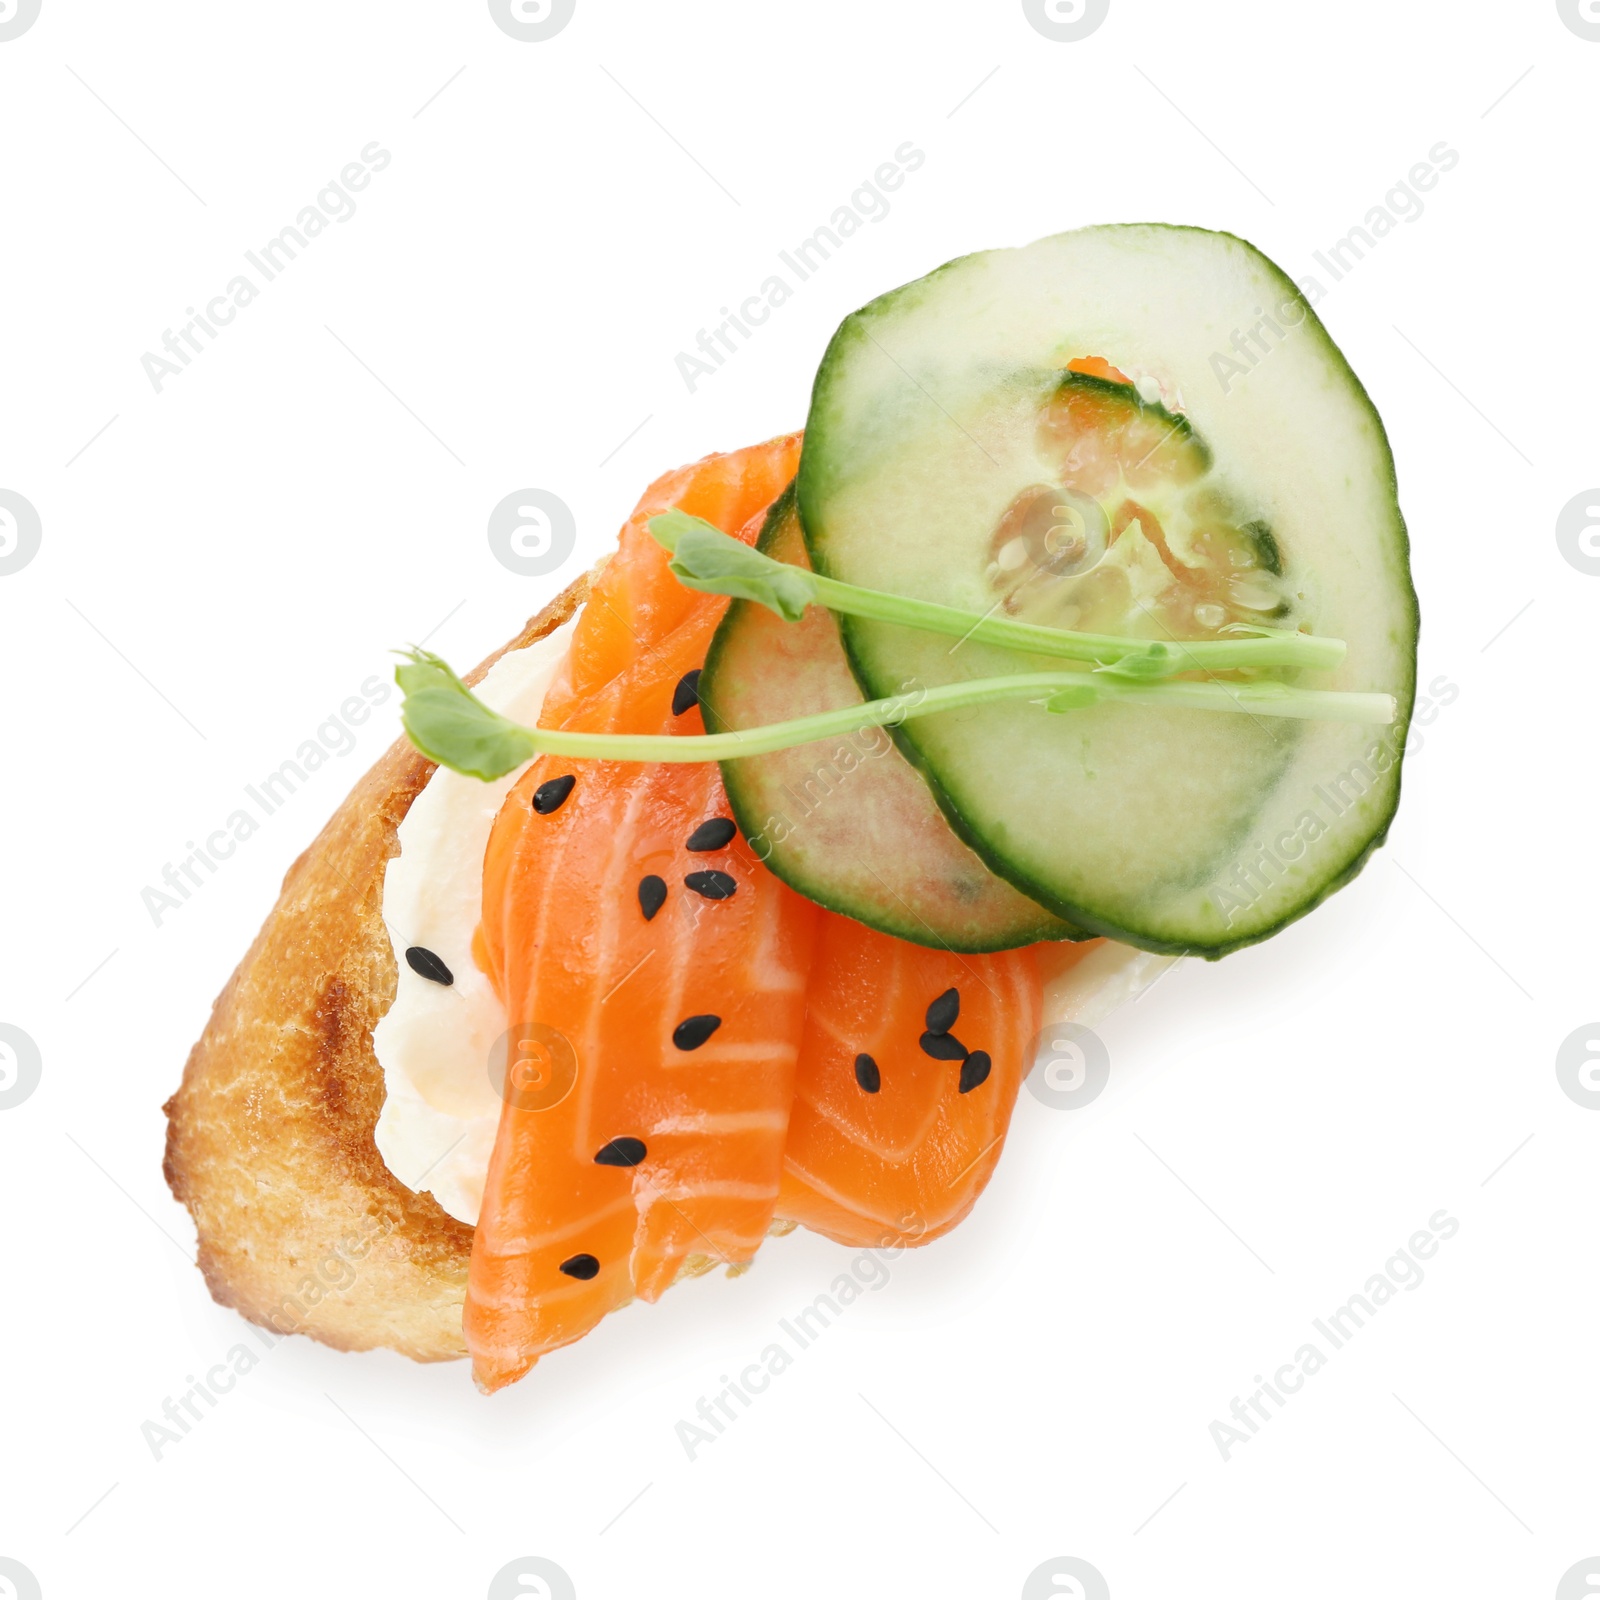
(707, 559)
(449, 724)
(1159, 662)
(668, 525)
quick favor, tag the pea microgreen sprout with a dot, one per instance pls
(707, 559)
(450, 725)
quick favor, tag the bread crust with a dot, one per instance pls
(302, 1228)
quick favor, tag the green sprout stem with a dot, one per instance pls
(713, 562)
(450, 725)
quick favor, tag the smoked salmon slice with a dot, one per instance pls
(696, 1050)
(635, 603)
(653, 971)
(907, 1078)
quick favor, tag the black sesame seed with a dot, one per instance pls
(687, 693)
(712, 885)
(974, 1070)
(867, 1074)
(652, 895)
(943, 1012)
(943, 1046)
(580, 1267)
(427, 965)
(549, 796)
(711, 835)
(624, 1152)
(693, 1032)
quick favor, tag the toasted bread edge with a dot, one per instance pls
(301, 1226)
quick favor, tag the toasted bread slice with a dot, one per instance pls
(302, 1228)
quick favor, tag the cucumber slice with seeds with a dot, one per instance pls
(846, 822)
(953, 453)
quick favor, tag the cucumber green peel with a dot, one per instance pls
(707, 559)
(449, 724)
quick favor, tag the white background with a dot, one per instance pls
(229, 559)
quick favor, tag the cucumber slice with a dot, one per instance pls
(846, 822)
(961, 449)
